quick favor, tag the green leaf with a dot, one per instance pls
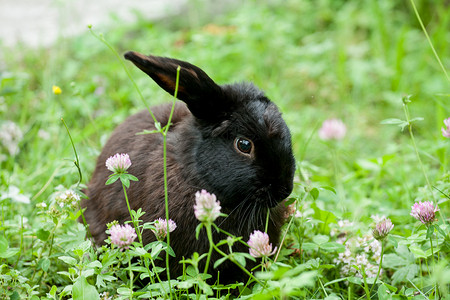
(147, 132)
(325, 216)
(53, 291)
(220, 261)
(289, 201)
(113, 178)
(9, 252)
(68, 260)
(416, 119)
(101, 278)
(156, 250)
(355, 280)
(15, 296)
(333, 246)
(404, 274)
(139, 251)
(94, 264)
(205, 288)
(82, 290)
(436, 249)
(197, 230)
(417, 251)
(383, 293)
(240, 259)
(321, 239)
(392, 260)
(314, 193)
(42, 234)
(398, 122)
(125, 181)
(430, 231)
(439, 229)
(3, 244)
(392, 121)
(309, 246)
(132, 178)
(44, 264)
(329, 188)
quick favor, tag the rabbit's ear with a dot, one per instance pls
(202, 95)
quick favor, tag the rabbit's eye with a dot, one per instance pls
(243, 145)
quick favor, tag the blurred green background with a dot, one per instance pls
(352, 60)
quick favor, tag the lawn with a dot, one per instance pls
(370, 64)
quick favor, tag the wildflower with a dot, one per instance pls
(424, 212)
(259, 244)
(42, 134)
(15, 195)
(378, 218)
(56, 90)
(41, 205)
(382, 229)
(69, 198)
(446, 130)
(290, 211)
(332, 129)
(105, 296)
(118, 163)
(362, 252)
(10, 136)
(122, 235)
(206, 208)
(161, 228)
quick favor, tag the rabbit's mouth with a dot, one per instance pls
(271, 196)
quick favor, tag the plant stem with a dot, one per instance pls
(138, 232)
(434, 264)
(211, 245)
(131, 279)
(323, 288)
(284, 236)
(429, 40)
(432, 252)
(21, 241)
(379, 266)
(77, 161)
(238, 264)
(408, 120)
(366, 287)
(166, 185)
(101, 39)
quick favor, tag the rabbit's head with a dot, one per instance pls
(242, 150)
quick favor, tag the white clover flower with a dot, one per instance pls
(424, 212)
(10, 136)
(259, 244)
(206, 208)
(382, 229)
(332, 129)
(161, 228)
(118, 163)
(122, 235)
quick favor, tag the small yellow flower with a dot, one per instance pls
(56, 90)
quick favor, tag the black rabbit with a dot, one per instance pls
(227, 139)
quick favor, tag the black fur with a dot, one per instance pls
(201, 155)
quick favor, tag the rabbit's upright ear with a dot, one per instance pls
(202, 95)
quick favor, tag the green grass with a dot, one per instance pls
(353, 60)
